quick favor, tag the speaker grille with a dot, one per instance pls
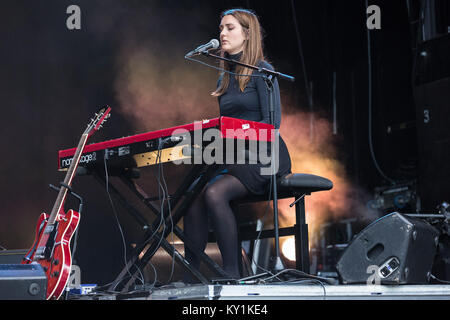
(400, 249)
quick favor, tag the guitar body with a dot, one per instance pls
(57, 267)
(51, 247)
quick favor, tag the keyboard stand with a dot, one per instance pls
(183, 197)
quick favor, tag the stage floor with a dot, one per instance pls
(285, 292)
(306, 292)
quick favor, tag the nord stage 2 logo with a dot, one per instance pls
(85, 159)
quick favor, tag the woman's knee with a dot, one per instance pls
(213, 196)
(197, 207)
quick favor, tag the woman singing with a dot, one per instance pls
(243, 97)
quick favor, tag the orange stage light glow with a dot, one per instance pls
(316, 154)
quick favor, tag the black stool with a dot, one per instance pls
(294, 185)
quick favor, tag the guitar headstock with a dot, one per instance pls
(96, 123)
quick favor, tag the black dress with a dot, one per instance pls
(253, 104)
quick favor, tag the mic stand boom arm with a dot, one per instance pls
(268, 75)
(264, 71)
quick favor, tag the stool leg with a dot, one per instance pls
(301, 237)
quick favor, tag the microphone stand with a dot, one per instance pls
(269, 77)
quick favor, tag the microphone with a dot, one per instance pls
(213, 44)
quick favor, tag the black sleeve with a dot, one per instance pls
(263, 94)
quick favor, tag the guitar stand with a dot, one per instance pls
(80, 209)
(69, 190)
(153, 238)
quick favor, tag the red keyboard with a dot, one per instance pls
(142, 149)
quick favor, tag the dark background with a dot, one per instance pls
(52, 80)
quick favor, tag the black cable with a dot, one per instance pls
(163, 196)
(118, 224)
(227, 71)
(369, 69)
(161, 199)
(300, 49)
(301, 273)
(309, 279)
(171, 221)
(439, 280)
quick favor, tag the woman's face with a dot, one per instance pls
(231, 35)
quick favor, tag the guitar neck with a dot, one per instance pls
(59, 203)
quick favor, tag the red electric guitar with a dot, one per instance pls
(51, 248)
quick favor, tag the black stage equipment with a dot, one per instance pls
(401, 196)
(22, 282)
(441, 265)
(432, 96)
(333, 239)
(12, 256)
(434, 19)
(394, 249)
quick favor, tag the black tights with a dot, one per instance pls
(214, 201)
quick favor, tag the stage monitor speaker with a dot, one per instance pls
(22, 282)
(394, 249)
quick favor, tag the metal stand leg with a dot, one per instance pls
(301, 236)
(153, 239)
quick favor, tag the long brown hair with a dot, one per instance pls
(251, 54)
